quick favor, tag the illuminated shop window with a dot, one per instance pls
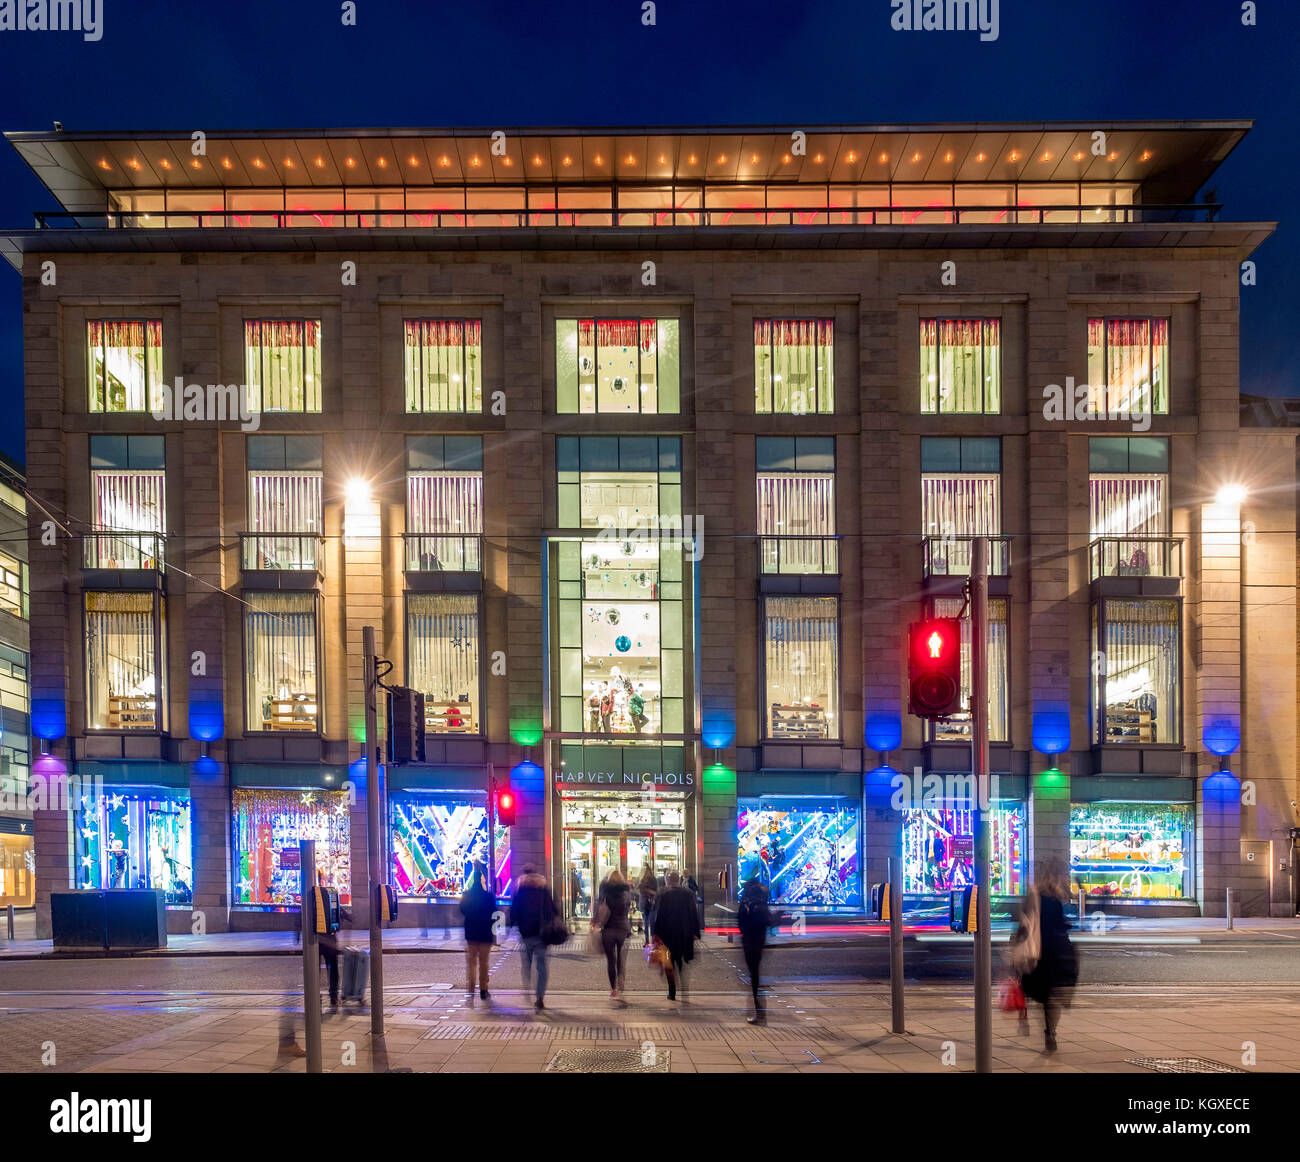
(128, 497)
(124, 365)
(796, 504)
(802, 848)
(1132, 850)
(957, 727)
(283, 363)
(1128, 366)
(444, 365)
(437, 837)
(268, 825)
(961, 366)
(18, 869)
(961, 498)
(1128, 504)
(125, 669)
(615, 366)
(444, 504)
(1136, 688)
(794, 366)
(280, 653)
(442, 659)
(136, 837)
(13, 586)
(801, 643)
(939, 849)
(284, 503)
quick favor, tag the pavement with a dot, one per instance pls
(813, 1027)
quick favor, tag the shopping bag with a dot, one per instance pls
(1012, 997)
(596, 941)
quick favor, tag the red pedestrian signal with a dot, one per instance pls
(934, 667)
(506, 805)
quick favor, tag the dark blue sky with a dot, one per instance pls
(167, 65)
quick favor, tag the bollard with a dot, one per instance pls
(1228, 910)
(1082, 906)
(9, 920)
(310, 954)
(895, 889)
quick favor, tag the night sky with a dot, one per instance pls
(186, 66)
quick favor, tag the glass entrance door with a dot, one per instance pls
(607, 857)
(578, 870)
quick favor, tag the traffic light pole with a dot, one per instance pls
(979, 612)
(376, 860)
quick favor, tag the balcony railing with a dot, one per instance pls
(641, 219)
(119, 550)
(438, 553)
(799, 554)
(949, 556)
(296, 552)
(1136, 557)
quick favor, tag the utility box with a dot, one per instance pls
(122, 919)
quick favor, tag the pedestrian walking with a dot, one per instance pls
(581, 900)
(477, 906)
(614, 908)
(754, 918)
(1056, 970)
(647, 888)
(532, 909)
(677, 927)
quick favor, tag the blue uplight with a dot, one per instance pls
(206, 768)
(884, 731)
(525, 774)
(1221, 736)
(49, 718)
(719, 731)
(1052, 730)
(207, 718)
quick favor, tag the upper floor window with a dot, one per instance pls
(442, 659)
(280, 652)
(282, 361)
(961, 498)
(13, 586)
(801, 667)
(794, 366)
(444, 503)
(1136, 690)
(796, 504)
(961, 366)
(621, 482)
(284, 503)
(125, 664)
(615, 366)
(1128, 503)
(444, 365)
(128, 489)
(1128, 366)
(125, 365)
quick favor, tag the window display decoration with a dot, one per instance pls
(436, 842)
(1132, 850)
(939, 849)
(803, 853)
(136, 838)
(268, 826)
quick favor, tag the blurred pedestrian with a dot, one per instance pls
(615, 906)
(1056, 972)
(532, 909)
(677, 927)
(754, 918)
(477, 906)
(647, 888)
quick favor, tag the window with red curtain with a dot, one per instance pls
(1128, 366)
(794, 366)
(283, 364)
(444, 365)
(961, 366)
(617, 365)
(124, 367)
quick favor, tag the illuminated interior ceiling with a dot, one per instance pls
(1171, 160)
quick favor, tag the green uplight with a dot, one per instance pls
(526, 731)
(357, 729)
(717, 773)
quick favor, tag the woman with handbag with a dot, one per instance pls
(1055, 969)
(612, 911)
(647, 888)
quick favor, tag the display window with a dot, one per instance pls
(961, 366)
(794, 366)
(127, 481)
(283, 364)
(268, 825)
(796, 504)
(618, 365)
(437, 837)
(125, 666)
(801, 644)
(1128, 503)
(939, 849)
(1128, 366)
(136, 837)
(17, 871)
(1136, 689)
(802, 848)
(444, 503)
(1140, 851)
(442, 659)
(281, 649)
(124, 365)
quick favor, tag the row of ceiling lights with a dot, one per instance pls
(444, 161)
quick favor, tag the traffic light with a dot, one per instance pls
(934, 667)
(506, 805)
(405, 725)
